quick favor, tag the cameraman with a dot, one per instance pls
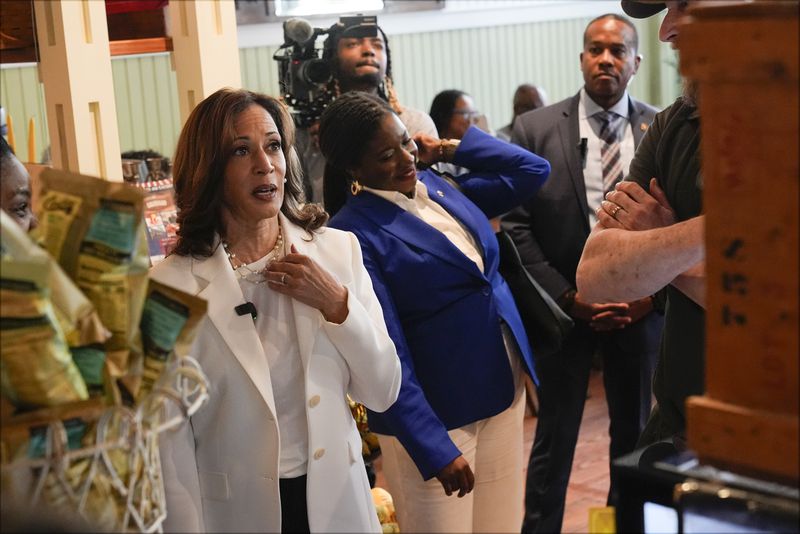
(359, 54)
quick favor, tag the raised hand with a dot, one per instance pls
(427, 149)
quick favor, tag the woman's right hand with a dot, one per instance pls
(427, 148)
(457, 475)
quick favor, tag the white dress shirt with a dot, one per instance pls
(276, 330)
(590, 130)
(435, 215)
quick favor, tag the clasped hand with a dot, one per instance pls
(630, 207)
(610, 315)
(304, 279)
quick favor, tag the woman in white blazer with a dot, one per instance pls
(293, 326)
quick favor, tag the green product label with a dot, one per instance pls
(162, 321)
(90, 361)
(38, 437)
(114, 225)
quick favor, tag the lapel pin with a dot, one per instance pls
(643, 127)
(438, 192)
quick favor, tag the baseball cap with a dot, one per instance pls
(641, 9)
(359, 26)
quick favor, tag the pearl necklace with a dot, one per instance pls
(243, 270)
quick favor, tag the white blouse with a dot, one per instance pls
(276, 329)
(435, 215)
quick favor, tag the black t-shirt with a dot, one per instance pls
(670, 152)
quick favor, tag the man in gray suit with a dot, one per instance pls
(589, 140)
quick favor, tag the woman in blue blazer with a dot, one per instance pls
(433, 257)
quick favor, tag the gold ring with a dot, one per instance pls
(615, 210)
(283, 279)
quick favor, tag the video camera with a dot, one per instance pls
(303, 74)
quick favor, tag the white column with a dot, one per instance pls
(205, 51)
(75, 68)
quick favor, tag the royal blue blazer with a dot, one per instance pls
(442, 312)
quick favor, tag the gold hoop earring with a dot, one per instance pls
(355, 187)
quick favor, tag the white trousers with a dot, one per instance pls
(493, 448)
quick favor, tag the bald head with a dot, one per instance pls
(528, 97)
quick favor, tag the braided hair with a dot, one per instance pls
(330, 52)
(345, 130)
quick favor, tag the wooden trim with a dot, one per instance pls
(141, 46)
(18, 55)
(743, 438)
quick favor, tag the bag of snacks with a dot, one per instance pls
(169, 323)
(36, 368)
(95, 229)
(77, 316)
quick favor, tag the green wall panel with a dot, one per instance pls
(146, 92)
(488, 63)
(22, 96)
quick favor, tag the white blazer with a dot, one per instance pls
(221, 469)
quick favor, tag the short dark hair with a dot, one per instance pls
(345, 130)
(620, 18)
(201, 155)
(442, 108)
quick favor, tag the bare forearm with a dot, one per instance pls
(621, 265)
(692, 283)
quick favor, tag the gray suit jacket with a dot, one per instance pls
(551, 229)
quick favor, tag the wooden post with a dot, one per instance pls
(205, 52)
(745, 59)
(75, 68)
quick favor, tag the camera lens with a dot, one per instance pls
(317, 71)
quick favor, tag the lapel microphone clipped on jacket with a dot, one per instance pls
(583, 146)
(244, 309)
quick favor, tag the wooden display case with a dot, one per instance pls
(745, 59)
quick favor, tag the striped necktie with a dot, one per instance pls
(609, 152)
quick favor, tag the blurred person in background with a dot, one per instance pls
(293, 326)
(453, 112)
(3, 123)
(433, 259)
(527, 97)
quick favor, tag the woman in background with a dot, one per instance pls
(293, 326)
(433, 259)
(453, 112)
